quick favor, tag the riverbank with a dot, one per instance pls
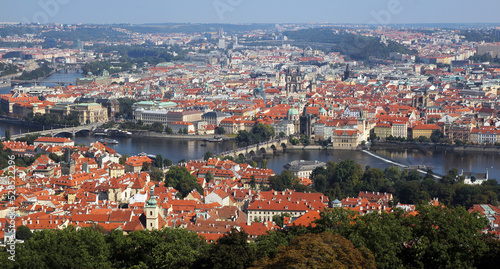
(23, 123)
(380, 145)
(27, 81)
(141, 134)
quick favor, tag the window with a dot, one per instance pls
(151, 213)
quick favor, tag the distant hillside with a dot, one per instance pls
(85, 34)
(354, 46)
(190, 28)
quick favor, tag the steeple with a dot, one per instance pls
(152, 201)
(151, 211)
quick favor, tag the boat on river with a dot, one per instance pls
(108, 141)
(214, 139)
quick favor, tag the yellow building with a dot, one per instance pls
(383, 130)
(345, 138)
(90, 113)
(424, 130)
(116, 170)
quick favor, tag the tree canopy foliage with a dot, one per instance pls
(180, 179)
(435, 237)
(324, 250)
(347, 179)
(259, 133)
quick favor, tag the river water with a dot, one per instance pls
(17, 129)
(439, 161)
(176, 150)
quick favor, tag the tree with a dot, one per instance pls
(262, 187)
(383, 234)
(167, 162)
(324, 250)
(55, 157)
(156, 249)
(422, 139)
(156, 174)
(208, 155)
(279, 219)
(180, 179)
(294, 141)
(221, 130)
(126, 107)
(444, 237)
(146, 166)
(252, 182)
(282, 134)
(305, 140)
(7, 135)
(67, 248)
(230, 251)
(259, 133)
(169, 130)
(123, 159)
(157, 127)
(159, 161)
(263, 164)
(23, 233)
(283, 181)
(209, 177)
(437, 136)
(392, 173)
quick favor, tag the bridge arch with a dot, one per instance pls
(63, 134)
(283, 146)
(83, 131)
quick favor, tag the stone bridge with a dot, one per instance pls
(61, 131)
(269, 147)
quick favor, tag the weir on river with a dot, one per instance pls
(398, 164)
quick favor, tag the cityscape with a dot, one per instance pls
(221, 137)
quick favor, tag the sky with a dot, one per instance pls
(381, 12)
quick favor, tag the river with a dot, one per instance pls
(440, 161)
(175, 150)
(60, 76)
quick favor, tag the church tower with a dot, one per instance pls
(151, 211)
(68, 165)
(313, 85)
(293, 81)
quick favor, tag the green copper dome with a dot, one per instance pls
(152, 201)
(292, 111)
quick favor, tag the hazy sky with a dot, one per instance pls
(247, 11)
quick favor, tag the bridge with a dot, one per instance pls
(17, 82)
(55, 132)
(269, 147)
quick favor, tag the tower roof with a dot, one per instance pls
(292, 111)
(152, 200)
